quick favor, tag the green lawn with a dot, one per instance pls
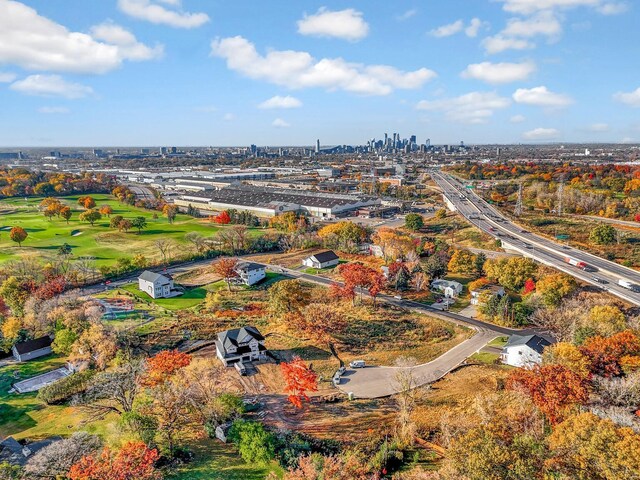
(498, 342)
(99, 241)
(217, 461)
(190, 298)
(485, 357)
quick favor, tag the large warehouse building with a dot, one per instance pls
(268, 202)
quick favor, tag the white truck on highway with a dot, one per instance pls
(628, 285)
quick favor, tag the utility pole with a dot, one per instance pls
(518, 210)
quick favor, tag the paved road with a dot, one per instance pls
(604, 273)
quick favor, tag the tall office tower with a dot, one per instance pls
(386, 139)
(163, 150)
(318, 146)
(428, 142)
(412, 139)
(395, 140)
(174, 149)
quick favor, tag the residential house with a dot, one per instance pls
(524, 351)
(485, 293)
(322, 260)
(240, 345)
(250, 273)
(157, 285)
(450, 288)
(25, 351)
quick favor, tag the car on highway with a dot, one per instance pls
(523, 231)
(599, 280)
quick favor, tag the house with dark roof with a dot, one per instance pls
(25, 351)
(157, 285)
(240, 345)
(250, 273)
(322, 260)
(524, 351)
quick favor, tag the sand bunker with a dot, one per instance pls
(75, 233)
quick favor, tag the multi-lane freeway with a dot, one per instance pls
(581, 265)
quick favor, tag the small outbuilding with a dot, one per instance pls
(39, 347)
(322, 260)
(524, 351)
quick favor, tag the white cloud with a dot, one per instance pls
(154, 13)
(473, 28)
(34, 42)
(126, 41)
(347, 24)
(54, 110)
(527, 7)
(281, 102)
(517, 119)
(50, 86)
(6, 77)
(542, 97)
(613, 8)
(598, 127)
(631, 98)
(499, 43)
(544, 23)
(540, 134)
(628, 140)
(497, 73)
(280, 123)
(297, 69)
(407, 15)
(474, 107)
(447, 30)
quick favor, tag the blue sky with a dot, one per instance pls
(202, 72)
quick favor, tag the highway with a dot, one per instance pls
(599, 272)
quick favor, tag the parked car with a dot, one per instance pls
(357, 364)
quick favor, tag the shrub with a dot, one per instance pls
(64, 389)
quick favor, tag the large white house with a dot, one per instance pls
(250, 273)
(157, 285)
(524, 351)
(240, 345)
(322, 260)
(450, 288)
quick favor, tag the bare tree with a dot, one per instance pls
(197, 240)
(165, 247)
(405, 399)
(55, 460)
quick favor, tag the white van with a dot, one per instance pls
(357, 364)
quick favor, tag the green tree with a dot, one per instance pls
(511, 272)
(14, 294)
(255, 444)
(115, 221)
(64, 340)
(603, 235)
(414, 221)
(140, 223)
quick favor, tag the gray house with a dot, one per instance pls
(25, 351)
(322, 260)
(524, 351)
(240, 345)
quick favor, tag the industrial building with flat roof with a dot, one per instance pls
(268, 202)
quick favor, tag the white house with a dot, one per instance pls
(524, 351)
(39, 347)
(157, 285)
(322, 260)
(250, 273)
(486, 292)
(240, 345)
(450, 288)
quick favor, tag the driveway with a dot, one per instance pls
(376, 382)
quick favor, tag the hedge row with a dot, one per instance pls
(65, 388)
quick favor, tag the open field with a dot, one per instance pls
(99, 241)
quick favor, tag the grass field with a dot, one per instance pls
(99, 241)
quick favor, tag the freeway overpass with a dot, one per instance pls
(599, 272)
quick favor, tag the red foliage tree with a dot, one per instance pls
(18, 235)
(605, 354)
(51, 288)
(222, 218)
(529, 286)
(164, 364)
(554, 389)
(134, 461)
(226, 268)
(357, 275)
(637, 217)
(299, 380)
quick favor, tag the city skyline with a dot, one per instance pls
(166, 72)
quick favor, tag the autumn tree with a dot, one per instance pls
(529, 286)
(18, 235)
(553, 288)
(164, 364)
(606, 320)
(170, 211)
(87, 202)
(222, 218)
(299, 379)
(227, 269)
(134, 461)
(394, 244)
(568, 356)
(607, 356)
(359, 276)
(125, 224)
(65, 212)
(115, 221)
(554, 389)
(106, 210)
(602, 235)
(462, 261)
(441, 214)
(510, 272)
(90, 215)
(96, 346)
(344, 236)
(287, 296)
(319, 321)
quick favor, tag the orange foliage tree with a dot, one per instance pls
(299, 380)
(608, 356)
(226, 268)
(222, 218)
(357, 275)
(134, 461)
(164, 364)
(18, 235)
(554, 389)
